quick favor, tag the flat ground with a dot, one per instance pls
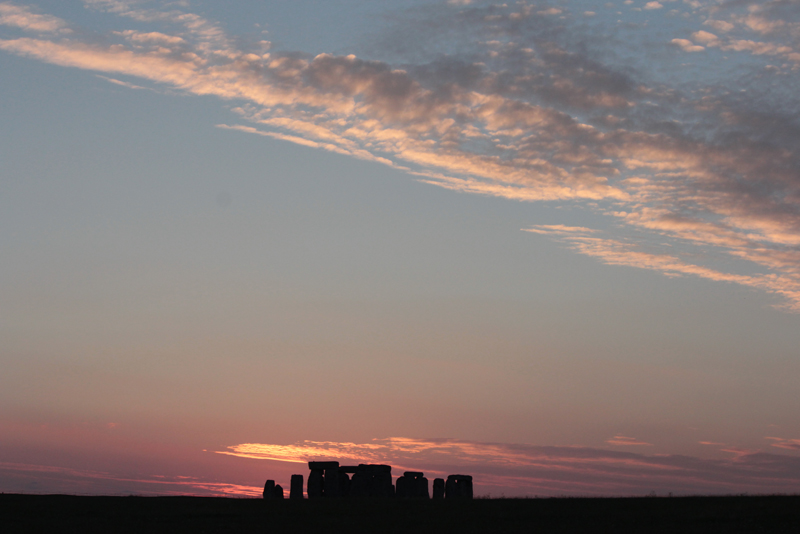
(61, 514)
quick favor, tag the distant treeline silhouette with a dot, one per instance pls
(330, 480)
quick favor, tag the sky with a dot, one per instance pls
(554, 245)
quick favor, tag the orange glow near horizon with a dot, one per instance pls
(538, 470)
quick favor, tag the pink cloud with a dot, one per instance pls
(24, 18)
(624, 440)
(789, 444)
(534, 470)
(52, 479)
(614, 252)
(704, 37)
(458, 127)
(687, 46)
(121, 465)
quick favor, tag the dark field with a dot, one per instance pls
(56, 514)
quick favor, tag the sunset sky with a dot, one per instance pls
(554, 245)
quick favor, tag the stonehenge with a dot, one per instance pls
(329, 480)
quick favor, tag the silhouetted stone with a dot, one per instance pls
(330, 487)
(380, 480)
(401, 487)
(344, 484)
(315, 483)
(450, 488)
(421, 488)
(438, 488)
(467, 482)
(458, 487)
(412, 485)
(323, 465)
(269, 489)
(360, 483)
(382, 485)
(296, 488)
(328, 479)
(371, 481)
(278, 492)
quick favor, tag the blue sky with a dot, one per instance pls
(566, 224)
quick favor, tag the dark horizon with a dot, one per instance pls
(727, 515)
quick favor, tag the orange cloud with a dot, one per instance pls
(22, 17)
(624, 440)
(515, 469)
(502, 128)
(614, 252)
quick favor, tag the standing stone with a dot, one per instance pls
(360, 484)
(438, 488)
(331, 485)
(467, 482)
(412, 485)
(382, 481)
(296, 488)
(422, 488)
(278, 492)
(450, 488)
(370, 480)
(315, 484)
(344, 484)
(401, 487)
(269, 489)
(458, 487)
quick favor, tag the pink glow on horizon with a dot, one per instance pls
(154, 484)
(528, 470)
(624, 440)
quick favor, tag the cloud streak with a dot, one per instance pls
(24, 18)
(614, 252)
(521, 112)
(36, 478)
(789, 444)
(626, 441)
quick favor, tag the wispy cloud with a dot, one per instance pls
(614, 252)
(521, 111)
(781, 443)
(25, 18)
(532, 470)
(121, 83)
(626, 441)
